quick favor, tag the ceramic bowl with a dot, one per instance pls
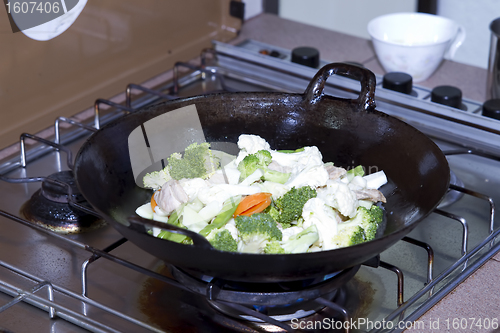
(414, 43)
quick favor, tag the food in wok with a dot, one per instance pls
(347, 131)
(263, 200)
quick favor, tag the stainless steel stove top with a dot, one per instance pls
(99, 282)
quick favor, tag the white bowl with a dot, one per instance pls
(414, 43)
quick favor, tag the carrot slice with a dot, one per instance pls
(257, 208)
(252, 204)
(153, 202)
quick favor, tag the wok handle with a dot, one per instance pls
(198, 240)
(366, 99)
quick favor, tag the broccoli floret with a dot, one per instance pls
(222, 240)
(256, 231)
(260, 160)
(197, 162)
(274, 247)
(377, 214)
(369, 220)
(361, 228)
(349, 235)
(252, 162)
(290, 205)
(302, 241)
(156, 179)
(271, 210)
(264, 157)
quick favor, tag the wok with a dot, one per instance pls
(347, 132)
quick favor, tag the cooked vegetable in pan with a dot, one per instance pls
(264, 200)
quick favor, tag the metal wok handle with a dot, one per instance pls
(138, 223)
(366, 99)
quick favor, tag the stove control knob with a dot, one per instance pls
(491, 108)
(307, 56)
(398, 81)
(447, 95)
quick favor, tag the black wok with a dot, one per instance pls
(347, 132)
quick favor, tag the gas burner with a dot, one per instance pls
(50, 206)
(287, 312)
(452, 196)
(282, 301)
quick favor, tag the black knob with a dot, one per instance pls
(307, 56)
(491, 108)
(447, 95)
(398, 81)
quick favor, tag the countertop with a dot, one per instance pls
(478, 296)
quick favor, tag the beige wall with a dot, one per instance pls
(349, 17)
(111, 44)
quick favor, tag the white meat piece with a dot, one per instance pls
(339, 196)
(370, 194)
(171, 196)
(335, 172)
(317, 212)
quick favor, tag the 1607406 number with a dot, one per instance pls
(471, 323)
(33, 7)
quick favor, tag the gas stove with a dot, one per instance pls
(86, 277)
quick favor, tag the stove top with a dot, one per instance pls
(98, 281)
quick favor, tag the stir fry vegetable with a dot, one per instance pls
(252, 204)
(264, 200)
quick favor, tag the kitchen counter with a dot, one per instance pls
(478, 296)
